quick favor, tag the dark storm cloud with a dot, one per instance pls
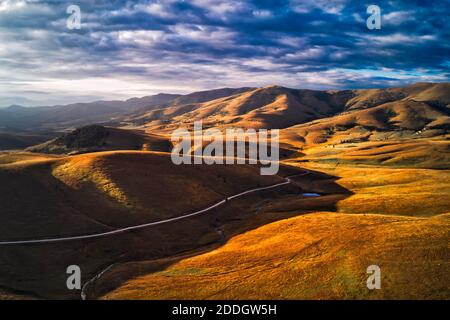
(195, 44)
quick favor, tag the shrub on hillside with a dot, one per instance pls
(89, 136)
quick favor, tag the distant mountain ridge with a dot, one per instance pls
(276, 107)
(77, 114)
(61, 117)
(268, 107)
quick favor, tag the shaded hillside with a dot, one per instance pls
(89, 193)
(392, 215)
(13, 141)
(96, 138)
(80, 114)
(110, 189)
(67, 116)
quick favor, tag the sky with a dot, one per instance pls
(127, 49)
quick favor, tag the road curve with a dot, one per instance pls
(146, 225)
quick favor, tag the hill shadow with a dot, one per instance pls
(218, 227)
(41, 269)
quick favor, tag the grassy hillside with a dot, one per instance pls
(416, 92)
(395, 218)
(388, 191)
(15, 141)
(378, 159)
(96, 138)
(77, 114)
(421, 153)
(408, 119)
(269, 107)
(400, 127)
(99, 191)
(409, 108)
(52, 196)
(316, 256)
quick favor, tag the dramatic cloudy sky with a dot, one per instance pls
(137, 48)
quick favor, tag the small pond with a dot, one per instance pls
(311, 194)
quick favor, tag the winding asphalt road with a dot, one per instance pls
(146, 225)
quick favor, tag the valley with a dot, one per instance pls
(378, 159)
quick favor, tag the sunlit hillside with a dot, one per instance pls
(51, 196)
(317, 256)
(395, 218)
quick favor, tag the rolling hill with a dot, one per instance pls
(96, 138)
(397, 219)
(107, 189)
(405, 133)
(377, 158)
(63, 117)
(419, 110)
(405, 118)
(46, 196)
(269, 107)
(317, 256)
(405, 126)
(17, 141)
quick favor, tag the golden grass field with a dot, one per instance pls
(323, 255)
(391, 191)
(277, 245)
(52, 196)
(379, 158)
(396, 218)
(99, 191)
